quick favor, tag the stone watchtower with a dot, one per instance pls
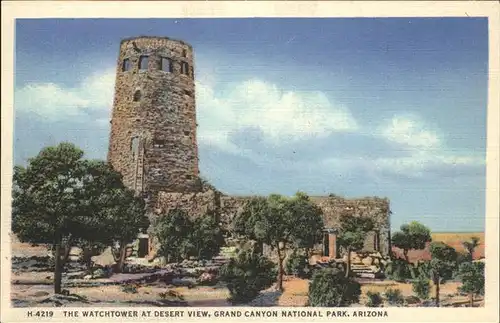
(153, 126)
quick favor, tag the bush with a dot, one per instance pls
(181, 238)
(330, 288)
(394, 297)
(410, 300)
(171, 295)
(374, 299)
(129, 288)
(398, 270)
(246, 275)
(297, 265)
(421, 287)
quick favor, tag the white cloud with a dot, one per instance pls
(411, 131)
(54, 102)
(282, 116)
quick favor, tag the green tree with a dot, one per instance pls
(46, 201)
(207, 237)
(421, 287)
(173, 232)
(470, 247)
(277, 221)
(110, 212)
(309, 223)
(63, 200)
(297, 264)
(246, 275)
(413, 236)
(472, 276)
(352, 235)
(181, 238)
(331, 288)
(442, 264)
(125, 217)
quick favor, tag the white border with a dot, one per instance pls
(140, 9)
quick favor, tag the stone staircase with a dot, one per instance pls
(364, 271)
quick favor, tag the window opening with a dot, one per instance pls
(137, 96)
(186, 132)
(184, 68)
(184, 53)
(166, 65)
(143, 62)
(326, 245)
(158, 143)
(126, 65)
(134, 147)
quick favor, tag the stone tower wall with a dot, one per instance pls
(153, 127)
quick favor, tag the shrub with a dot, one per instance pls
(374, 299)
(421, 287)
(129, 288)
(394, 296)
(171, 295)
(297, 265)
(398, 270)
(330, 288)
(410, 300)
(246, 275)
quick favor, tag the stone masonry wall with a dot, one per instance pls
(227, 207)
(376, 208)
(153, 127)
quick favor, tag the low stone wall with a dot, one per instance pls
(194, 204)
(227, 207)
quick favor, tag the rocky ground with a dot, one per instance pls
(190, 283)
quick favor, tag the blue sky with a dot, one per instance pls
(356, 107)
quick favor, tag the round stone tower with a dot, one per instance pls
(153, 125)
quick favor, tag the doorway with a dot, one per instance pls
(143, 249)
(326, 245)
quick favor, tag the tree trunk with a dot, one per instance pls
(280, 270)
(436, 282)
(87, 257)
(57, 268)
(348, 268)
(405, 254)
(67, 251)
(471, 299)
(121, 260)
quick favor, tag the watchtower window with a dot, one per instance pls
(134, 147)
(184, 68)
(184, 53)
(143, 62)
(126, 65)
(137, 96)
(186, 132)
(166, 65)
(158, 143)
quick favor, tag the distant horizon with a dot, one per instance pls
(373, 107)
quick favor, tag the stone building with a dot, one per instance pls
(153, 144)
(153, 125)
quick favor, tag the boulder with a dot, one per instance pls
(368, 261)
(99, 273)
